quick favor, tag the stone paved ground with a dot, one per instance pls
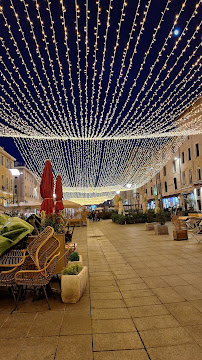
(144, 301)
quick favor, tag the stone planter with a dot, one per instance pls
(79, 262)
(150, 226)
(129, 221)
(73, 286)
(180, 235)
(161, 229)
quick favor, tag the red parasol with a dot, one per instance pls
(58, 192)
(46, 188)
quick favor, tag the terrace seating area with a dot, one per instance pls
(143, 301)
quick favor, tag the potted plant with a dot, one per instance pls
(73, 283)
(75, 258)
(129, 219)
(161, 228)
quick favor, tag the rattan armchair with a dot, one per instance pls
(10, 264)
(16, 260)
(40, 267)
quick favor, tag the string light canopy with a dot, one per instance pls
(101, 88)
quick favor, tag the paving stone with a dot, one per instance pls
(121, 355)
(156, 322)
(168, 295)
(120, 313)
(106, 296)
(115, 325)
(142, 311)
(17, 325)
(10, 347)
(185, 313)
(116, 341)
(164, 337)
(47, 323)
(43, 348)
(176, 352)
(78, 347)
(107, 304)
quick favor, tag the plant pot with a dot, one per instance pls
(139, 221)
(161, 229)
(73, 286)
(180, 235)
(79, 262)
(150, 226)
(130, 221)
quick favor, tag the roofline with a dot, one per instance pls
(7, 154)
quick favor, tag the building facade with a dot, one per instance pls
(26, 187)
(179, 182)
(6, 178)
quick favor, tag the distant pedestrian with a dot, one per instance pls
(93, 215)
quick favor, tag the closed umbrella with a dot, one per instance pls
(59, 195)
(46, 189)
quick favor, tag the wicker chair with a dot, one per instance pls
(16, 260)
(40, 267)
(10, 264)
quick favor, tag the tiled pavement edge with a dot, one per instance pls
(144, 301)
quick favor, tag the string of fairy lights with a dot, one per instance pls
(100, 88)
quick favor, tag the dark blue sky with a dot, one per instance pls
(154, 14)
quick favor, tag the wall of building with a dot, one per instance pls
(26, 186)
(6, 178)
(185, 168)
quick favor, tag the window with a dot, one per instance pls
(151, 191)
(189, 154)
(2, 180)
(158, 176)
(11, 184)
(6, 182)
(197, 150)
(165, 186)
(175, 183)
(164, 171)
(7, 163)
(190, 176)
(183, 157)
(16, 189)
(183, 178)
(2, 160)
(174, 166)
(198, 192)
(159, 189)
(198, 174)
(145, 191)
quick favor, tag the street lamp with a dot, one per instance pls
(16, 173)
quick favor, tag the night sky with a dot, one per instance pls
(39, 98)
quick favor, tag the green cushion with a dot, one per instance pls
(13, 231)
(3, 219)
